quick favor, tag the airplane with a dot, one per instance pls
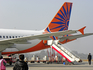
(13, 41)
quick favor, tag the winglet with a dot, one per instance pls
(82, 30)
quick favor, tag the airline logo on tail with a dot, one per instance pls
(61, 20)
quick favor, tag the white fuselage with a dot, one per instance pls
(12, 33)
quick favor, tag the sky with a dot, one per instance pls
(37, 14)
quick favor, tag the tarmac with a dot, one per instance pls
(42, 66)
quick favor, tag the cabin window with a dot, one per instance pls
(13, 37)
(18, 36)
(9, 36)
(6, 36)
(3, 36)
(0, 36)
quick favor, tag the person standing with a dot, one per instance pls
(89, 58)
(2, 63)
(21, 64)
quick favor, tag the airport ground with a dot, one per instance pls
(42, 66)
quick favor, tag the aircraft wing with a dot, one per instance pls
(74, 36)
(24, 40)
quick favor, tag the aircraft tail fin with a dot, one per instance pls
(60, 22)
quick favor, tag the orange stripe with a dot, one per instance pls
(39, 46)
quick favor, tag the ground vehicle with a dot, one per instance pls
(9, 60)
